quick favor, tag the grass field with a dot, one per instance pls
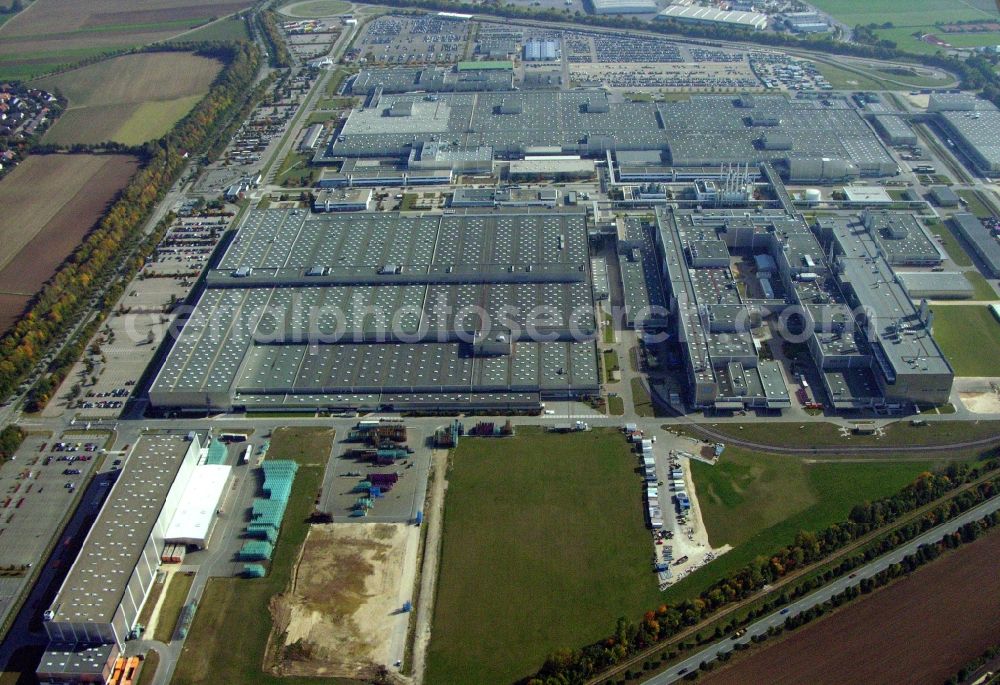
(641, 401)
(49, 203)
(295, 170)
(969, 336)
(235, 611)
(544, 547)
(50, 32)
(765, 499)
(900, 434)
(309, 9)
(129, 99)
(974, 204)
(949, 241)
(915, 16)
(230, 29)
(170, 610)
(149, 665)
(982, 290)
(616, 406)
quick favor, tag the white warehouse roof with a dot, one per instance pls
(692, 13)
(192, 523)
(624, 6)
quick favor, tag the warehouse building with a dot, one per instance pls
(805, 22)
(935, 285)
(900, 236)
(984, 245)
(895, 130)
(694, 14)
(624, 6)
(311, 138)
(99, 602)
(194, 520)
(343, 200)
(378, 310)
(542, 51)
(974, 126)
(430, 79)
(943, 196)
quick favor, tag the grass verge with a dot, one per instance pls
(149, 665)
(170, 611)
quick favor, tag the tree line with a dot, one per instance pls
(280, 58)
(570, 666)
(11, 438)
(100, 253)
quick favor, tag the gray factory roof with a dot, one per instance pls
(97, 581)
(935, 284)
(895, 127)
(430, 79)
(986, 246)
(86, 662)
(388, 305)
(705, 130)
(848, 385)
(979, 130)
(623, 6)
(902, 238)
(895, 327)
(640, 274)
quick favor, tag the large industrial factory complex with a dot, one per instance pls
(380, 310)
(811, 141)
(546, 231)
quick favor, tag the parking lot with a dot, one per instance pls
(37, 488)
(413, 40)
(100, 383)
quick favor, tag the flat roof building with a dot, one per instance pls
(374, 310)
(983, 243)
(100, 599)
(693, 14)
(935, 285)
(624, 6)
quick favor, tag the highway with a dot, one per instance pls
(710, 653)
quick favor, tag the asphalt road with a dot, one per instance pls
(710, 653)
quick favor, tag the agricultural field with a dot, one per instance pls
(969, 335)
(224, 30)
(545, 547)
(128, 99)
(917, 16)
(310, 9)
(920, 629)
(50, 33)
(50, 203)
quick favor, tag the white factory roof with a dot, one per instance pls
(867, 194)
(193, 520)
(751, 20)
(623, 6)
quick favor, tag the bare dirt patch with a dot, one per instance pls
(339, 617)
(919, 630)
(50, 203)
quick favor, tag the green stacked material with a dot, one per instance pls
(278, 478)
(255, 550)
(217, 453)
(253, 571)
(263, 531)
